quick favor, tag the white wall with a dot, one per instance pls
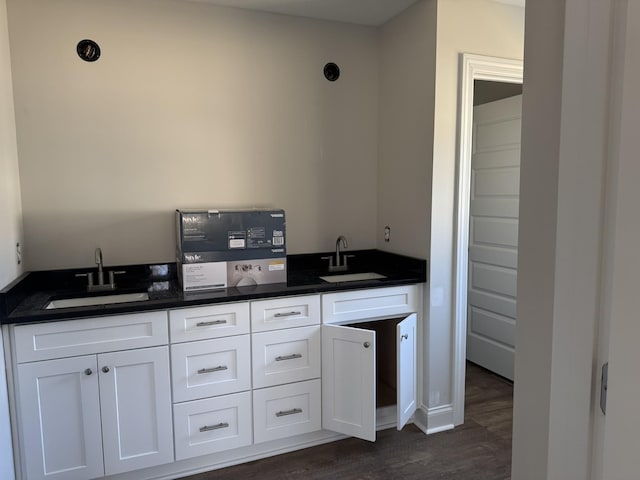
(464, 26)
(564, 141)
(10, 208)
(10, 223)
(190, 105)
(407, 89)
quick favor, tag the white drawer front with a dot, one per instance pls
(278, 313)
(212, 321)
(287, 410)
(343, 307)
(210, 368)
(286, 356)
(212, 425)
(84, 336)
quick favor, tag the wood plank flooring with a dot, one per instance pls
(478, 450)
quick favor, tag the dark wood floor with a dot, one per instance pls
(478, 450)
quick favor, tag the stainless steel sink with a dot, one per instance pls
(352, 277)
(97, 300)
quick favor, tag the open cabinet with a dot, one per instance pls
(363, 360)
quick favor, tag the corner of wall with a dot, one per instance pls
(10, 199)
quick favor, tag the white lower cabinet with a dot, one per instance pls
(60, 419)
(108, 395)
(76, 411)
(85, 411)
(355, 375)
(135, 403)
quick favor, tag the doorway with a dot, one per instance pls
(473, 68)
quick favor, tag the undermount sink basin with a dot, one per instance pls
(352, 277)
(97, 300)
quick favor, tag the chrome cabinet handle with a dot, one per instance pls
(288, 357)
(208, 324)
(213, 369)
(88, 371)
(105, 369)
(208, 428)
(366, 344)
(287, 314)
(293, 411)
(404, 337)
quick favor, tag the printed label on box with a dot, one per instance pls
(275, 266)
(204, 276)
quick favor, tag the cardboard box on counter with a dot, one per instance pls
(230, 248)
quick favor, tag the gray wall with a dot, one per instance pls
(10, 208)
(190, 105)
(464, 26)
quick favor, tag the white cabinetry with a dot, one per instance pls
(99, 413)
(286, 362)
(108, 395)
(349, 358)
(211, 377)
(59, 417)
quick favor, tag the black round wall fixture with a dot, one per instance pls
(88, 50)
(331, 71)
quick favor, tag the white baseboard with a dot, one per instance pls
(439, 419)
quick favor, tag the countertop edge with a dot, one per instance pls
(27, 305)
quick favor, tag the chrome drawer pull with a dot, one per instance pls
(208, 428)
(213, 369)
(293, 411)
(288, 357)
(287, 314)
(208, 324)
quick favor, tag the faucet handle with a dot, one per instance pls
(89, 276)
(112, 274)
(330, 258)
(347, 257)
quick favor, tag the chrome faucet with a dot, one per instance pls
(99, 263)
(101, 285)
(341, 240)
(339, 266)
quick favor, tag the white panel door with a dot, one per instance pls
(135, 396)
(406, 366)
(493, 235)
(349, 381)
(60, 419)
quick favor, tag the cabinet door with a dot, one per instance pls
(406, 365)
(349, 381)
(135, 395)
(60, 419)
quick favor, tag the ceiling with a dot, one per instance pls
(362, 12)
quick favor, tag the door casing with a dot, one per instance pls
(472, 67)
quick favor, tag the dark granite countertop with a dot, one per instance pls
(24, 300)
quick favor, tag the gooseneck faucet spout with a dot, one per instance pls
(99, 263)
(340, 241)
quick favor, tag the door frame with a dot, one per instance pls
(472, 67)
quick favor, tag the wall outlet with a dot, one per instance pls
(387, 234)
